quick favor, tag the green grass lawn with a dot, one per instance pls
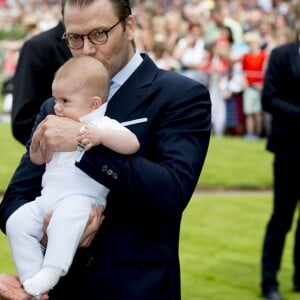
(10, 153)
(220, 247)
(232, 162)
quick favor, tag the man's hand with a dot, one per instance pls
(95, 220)
(11, 289)
(55, 134)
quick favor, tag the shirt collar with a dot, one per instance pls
(131, 66)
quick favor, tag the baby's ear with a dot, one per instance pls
(96, 102)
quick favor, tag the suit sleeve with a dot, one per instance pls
(39, 59)
(26, 95)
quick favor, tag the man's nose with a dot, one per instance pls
(88, 46)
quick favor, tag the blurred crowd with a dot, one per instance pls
(225, 44)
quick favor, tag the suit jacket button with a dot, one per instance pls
(104, 168)
(115, 176)
(90, 261)
(109, 172)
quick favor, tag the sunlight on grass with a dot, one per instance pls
(236, 163)
(220, 247)
(10, 154)
(6, 264)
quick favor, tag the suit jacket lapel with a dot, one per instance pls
(133, 92)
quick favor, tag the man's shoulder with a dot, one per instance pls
(178, 80)
(291, 46)
(172, 81)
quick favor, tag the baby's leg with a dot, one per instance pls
(43, 281)
(64, 232)
(24, 232)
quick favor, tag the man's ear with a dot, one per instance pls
(130, 26)
(96, 102)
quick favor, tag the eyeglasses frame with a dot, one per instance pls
(81, 36)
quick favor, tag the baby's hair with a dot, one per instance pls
(89, 73)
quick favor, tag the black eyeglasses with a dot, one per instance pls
(97, 37)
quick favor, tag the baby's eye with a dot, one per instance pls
(65, 101)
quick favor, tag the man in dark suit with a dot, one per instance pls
(134, 254)
(281, 98)
(39, 59)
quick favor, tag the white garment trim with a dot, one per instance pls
(136, 121)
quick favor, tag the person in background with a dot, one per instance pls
(134, 254)
(253, 65)
(280, 98)
(218, 69)
(40, 57)
(80, 88)
(190, 52)
(11, 51)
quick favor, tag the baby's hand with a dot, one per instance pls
(89, 136)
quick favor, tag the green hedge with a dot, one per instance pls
(15, 33)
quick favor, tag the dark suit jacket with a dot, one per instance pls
(135, 253)
(281, 98)
(39, 59)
